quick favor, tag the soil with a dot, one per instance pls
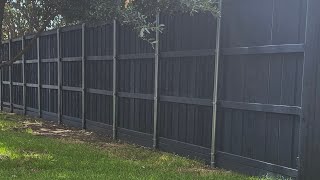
(51, 129)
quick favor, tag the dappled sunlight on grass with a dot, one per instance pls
(7, 125)
(171, 160)
(30, 149)
(164, 158)
(29, 131)
(5, 153)
(33, 155)
(155, 158)
(62, 176)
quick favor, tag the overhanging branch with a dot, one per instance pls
(29, 46)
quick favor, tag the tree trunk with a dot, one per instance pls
(2, 4)
(29, 46)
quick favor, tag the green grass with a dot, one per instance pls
(24, 155)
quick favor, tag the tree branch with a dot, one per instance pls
(29, 46)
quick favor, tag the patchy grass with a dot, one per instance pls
(34, 149)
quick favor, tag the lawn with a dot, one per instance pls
(35, 149)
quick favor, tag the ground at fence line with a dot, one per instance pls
(37, 149)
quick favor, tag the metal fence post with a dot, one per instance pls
(115, 110)
(59, 76)
(215, 88)
(1, 106)
(24, 78)
(308, 166)
(83, 77)
(39, 76)
(10, 77)
(2, 58)
(156, 86)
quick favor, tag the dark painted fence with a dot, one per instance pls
(103, 78)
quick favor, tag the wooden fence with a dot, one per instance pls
(104, 78)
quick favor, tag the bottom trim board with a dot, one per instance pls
(18, 111)
(72, 121)
(32, 114)
(135, 137)
(185, 149)
(252, 166)
(50, 116)
(101, 128)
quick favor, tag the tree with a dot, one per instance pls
(25, 17)
(37, 15)
(2, 5)
(46, 15)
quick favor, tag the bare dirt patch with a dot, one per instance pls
(41, 127)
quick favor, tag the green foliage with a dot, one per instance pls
(27, 15)
(196, 6)
(179, 6)
(139, 13)
(78, 11)
(275, 177)
(145, 27)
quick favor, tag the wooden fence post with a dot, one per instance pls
(10, 77)
(156, 86)
(39, 76)
(24, 78)
(115, 98)
(83, 77)
(59, 76)
(215, 88)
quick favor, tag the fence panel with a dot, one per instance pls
(71, 52)
(49, 75)
(31, 78)
(5, 84)
(99, 77)
(16, 77)
(135, 77)
(260, 95)
(186, 84)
